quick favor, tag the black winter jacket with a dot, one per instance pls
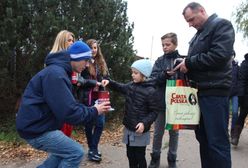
(140, 105)
(244, 77)
(235, 79)
(209, 57)
(84, 91)
(163, 64)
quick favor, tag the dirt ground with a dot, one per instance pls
(114, 155)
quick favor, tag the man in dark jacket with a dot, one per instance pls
(48, 102)
(209, 65)
(243, 99)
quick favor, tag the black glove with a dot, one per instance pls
(81, 80)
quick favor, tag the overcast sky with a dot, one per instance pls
(154, 18)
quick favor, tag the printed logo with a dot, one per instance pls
(192, 99)
(178, 98)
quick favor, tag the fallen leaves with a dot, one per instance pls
(10, 152)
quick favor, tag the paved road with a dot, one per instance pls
(188, 154)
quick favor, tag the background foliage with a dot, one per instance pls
(28, 29)
(241, 18)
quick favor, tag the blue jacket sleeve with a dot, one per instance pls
(59, 97)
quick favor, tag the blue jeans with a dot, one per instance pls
(212, 133)
(159, 127)
(63, 151)
(235, 110)
(93, 132)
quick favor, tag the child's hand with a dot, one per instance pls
(140, 128)
(98, 83)
(105, 82)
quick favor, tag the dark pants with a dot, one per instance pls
(93, 132)
(243, 102)
(136, 156)
(212, 133)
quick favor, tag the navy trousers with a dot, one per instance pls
(94, 131)
(212, 133)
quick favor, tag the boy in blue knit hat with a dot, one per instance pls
(48, 102)
(140, 111)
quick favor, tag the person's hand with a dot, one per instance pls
(182, 67)
(140, 128)
(171, 73)
(98, 83)
(103, 107)
(105, 82)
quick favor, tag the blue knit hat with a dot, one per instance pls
(80, 51)
(144, 66)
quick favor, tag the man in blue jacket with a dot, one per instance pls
(48, 102)
(208, 64)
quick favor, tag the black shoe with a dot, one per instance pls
(92, 156)
(155, 162)
(172, 165)
(235, 135)
(235, 141)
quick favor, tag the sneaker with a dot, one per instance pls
(92, 156)
(99, 153)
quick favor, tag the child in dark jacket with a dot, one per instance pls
(140, 111)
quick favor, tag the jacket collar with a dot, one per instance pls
(173, 54)
(208, 22)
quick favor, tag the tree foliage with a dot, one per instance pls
(29, 27)
(241, 18)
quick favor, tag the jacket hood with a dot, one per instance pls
(235, 63)
(61, 59)
(246, 57)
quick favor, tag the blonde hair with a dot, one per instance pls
(61, 40)
(98, 60)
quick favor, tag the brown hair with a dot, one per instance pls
(193, 6)
(172, 36)
(98, 60)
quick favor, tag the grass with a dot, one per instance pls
(8, 131)
(9, 134)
